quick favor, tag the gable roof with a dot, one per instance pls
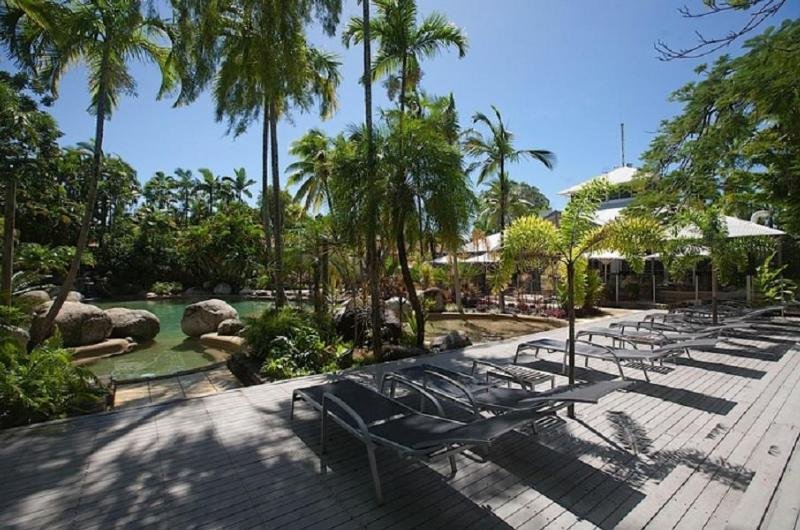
(618, 175)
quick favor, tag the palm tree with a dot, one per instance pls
(240, 183)
(535, 243)
(402, 43)
(373, 257)
(211, 185)
(185, 185)
(520, 201)
(312, 169)
(159, 190)
(495, 151)
(257, 56)
(49, 37)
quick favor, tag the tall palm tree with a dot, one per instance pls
(49, 37)
(159, 190)
(311, 170)
(257, 57)
(520, 200)
(185, 185)
(402, 44)
(373, 254)
(494, 152)
(211, 185)
(240, 183)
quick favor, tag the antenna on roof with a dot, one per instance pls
(622, 141)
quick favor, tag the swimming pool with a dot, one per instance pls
(171, 351)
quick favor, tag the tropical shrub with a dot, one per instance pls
(43, 384)
(283, 343)
(771, 283)
(594, 289)
(13, 316)
(166, 288)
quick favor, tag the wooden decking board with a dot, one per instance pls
(673, 483)
(235, 460)
(697, 427)
(784, 511)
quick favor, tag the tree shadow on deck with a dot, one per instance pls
(681, 396)
(722, 368)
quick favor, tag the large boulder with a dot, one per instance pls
(195, 291)
(355, 325)
(230, 327)
(79, 324)
(246, 291)
(74, 296)
(434, 299)
(33, 299)
(223, 288)
(139, 324)
(206, 316)
(454, 340)
(396, 304)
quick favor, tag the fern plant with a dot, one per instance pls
(771, 283)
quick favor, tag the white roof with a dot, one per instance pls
(482, 258)
(606, 255)
(490, 243)
(618, 175)
(441, 260)
(736, 227)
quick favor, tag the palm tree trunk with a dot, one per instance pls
(265, 183)
(8, 239)
(373, 269)
(409, 281)
(502, 299)
(45, 329)
(457, 283)
(277, 210)
(571, 317)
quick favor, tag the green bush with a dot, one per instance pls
(43, 384)
(594, 289)
(166, 288)
(13, 316)
(285, 345)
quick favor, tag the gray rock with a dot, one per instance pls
(204, 317)
(246, 291)
(139, 324)
(194, 291)
(74, 296)
(19, 335)
(229, 327)
(394, 304)
(34, 298)
(79, 324)
(223, 288)
(452, 341)
(434, 298)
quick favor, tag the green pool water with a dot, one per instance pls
(171, 351)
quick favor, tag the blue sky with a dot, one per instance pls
(564, 75)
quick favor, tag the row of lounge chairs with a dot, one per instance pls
(487, 410)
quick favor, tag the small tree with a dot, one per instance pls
(536, 243)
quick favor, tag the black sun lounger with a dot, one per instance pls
(592, 350)
(475, 396)
(378, 420)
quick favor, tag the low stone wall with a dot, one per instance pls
(229, 343)
(107, 348)
(555, 322)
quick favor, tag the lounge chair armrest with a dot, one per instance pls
(396, 379)
(457, 385)
(497, 368)
(362, 425)
(608, 350)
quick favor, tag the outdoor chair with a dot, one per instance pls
(473, 395)
(379, 420)
(590, 350)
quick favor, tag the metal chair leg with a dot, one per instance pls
(373, 466)
(453, 469)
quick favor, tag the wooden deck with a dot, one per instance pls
(709, 443)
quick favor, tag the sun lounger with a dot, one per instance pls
(475, 396)
(590, 350)
(378, 420)
(651, 337)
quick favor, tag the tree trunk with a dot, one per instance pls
(325, 273)
(571, 317)
(277, 210)
(265, 183)
(373, 261)
(43, 331)
(8, 238)
(714, 301)
(409, 283)
(502, 299)
(457, 283)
